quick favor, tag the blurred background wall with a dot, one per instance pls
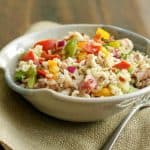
(17, 15)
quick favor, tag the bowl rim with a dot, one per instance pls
(24, 91)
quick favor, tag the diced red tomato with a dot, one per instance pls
(122, 65)
(122, 79)
(41, 73)
(28, 56)
(41, 60)
(47, 44)
(88, 84)
(92, 49)
(113, 69)
(49, 56)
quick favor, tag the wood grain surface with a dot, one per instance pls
(18, 15)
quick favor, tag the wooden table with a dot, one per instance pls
(18, 15)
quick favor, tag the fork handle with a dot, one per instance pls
(109, 143)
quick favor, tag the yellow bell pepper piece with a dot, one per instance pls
(81, 56)
(114, 44)
(103, 92)
(53, 67)
(105, 52)
(81, 44)
(104, 34)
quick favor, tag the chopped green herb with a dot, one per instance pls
(19, 75)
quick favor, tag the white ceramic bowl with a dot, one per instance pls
(67, 107)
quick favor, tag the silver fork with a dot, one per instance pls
(145, 102)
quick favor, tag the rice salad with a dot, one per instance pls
(83, 66)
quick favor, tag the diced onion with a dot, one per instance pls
(60, 43)
(71, 69)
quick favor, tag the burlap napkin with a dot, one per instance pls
(22, 127)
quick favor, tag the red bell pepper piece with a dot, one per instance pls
(97, 37)
(49, 56)
(41, 73)
(47, 44)
(54, 56)
(28, 56)
(122, 65)
(44, 55)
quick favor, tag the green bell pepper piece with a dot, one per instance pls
(31, 72)
(130, 69)
(32, 76)
(71, 48)
(31, 82)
